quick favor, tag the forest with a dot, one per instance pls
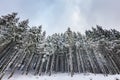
(28, 49)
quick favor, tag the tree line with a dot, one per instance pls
(29, 50)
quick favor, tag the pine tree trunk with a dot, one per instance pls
(3, 71)
(24, 55)
(99, 58)
(14, 68)
(52, 64)
(28, 63)
(11, 60)
(47, 65)
(65, 62)
(5, 58)
(68, 63)
(62, 64)
(38, 64)
(28, 67)
(112, 61)
(82, 64)
(5, 50)
(91, 62)
(57, 58)
(78, 60)
(41, 67)
(71, 61)
(18, 61)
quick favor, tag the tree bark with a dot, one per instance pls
(52, 64)
(47, 64)
(71, 61)
(78, 60)
(38, 64)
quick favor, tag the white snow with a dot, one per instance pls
(62, 76)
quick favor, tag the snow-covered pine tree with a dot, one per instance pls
(28, 49)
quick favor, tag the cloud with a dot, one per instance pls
(8, 6)
(57, 15)
(102, 12)
(61, 15)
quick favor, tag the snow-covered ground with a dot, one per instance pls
(62, 76)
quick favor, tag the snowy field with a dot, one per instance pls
(63, 76)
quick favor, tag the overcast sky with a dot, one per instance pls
(57, 15)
